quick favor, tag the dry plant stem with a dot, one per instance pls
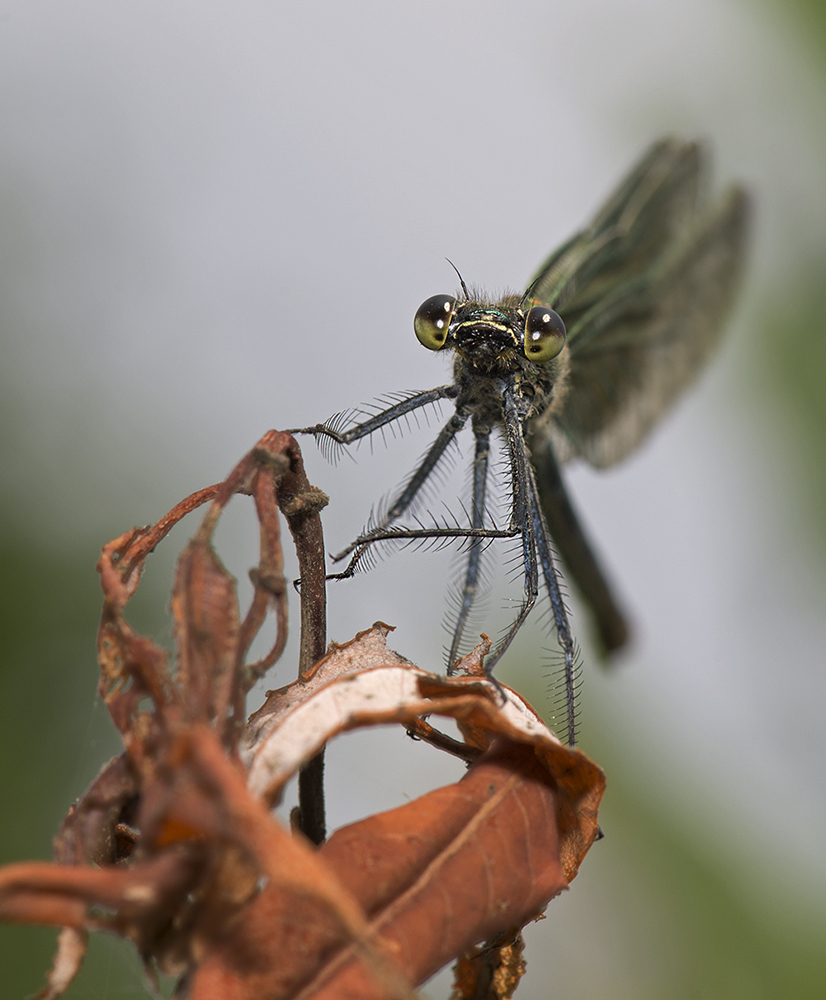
(156, 534)
(301, 504)
(268, 582)
(312, 821)
(491, 971)
(274, 475)
(418, 729)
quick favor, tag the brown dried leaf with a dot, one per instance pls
(383, 902)
(43, 893)
(207, 623)
(354, 686)
(173, 845)
(89, 832)
(461, 864)
(454, 867)
(140, 793)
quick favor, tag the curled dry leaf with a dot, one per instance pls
(365, 683)
(434, 876)
(174, 846)
(459, 865)
(141, 843)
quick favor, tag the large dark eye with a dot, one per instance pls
(432, 320)
(544, 334)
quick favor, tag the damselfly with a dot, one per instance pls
(610, 329)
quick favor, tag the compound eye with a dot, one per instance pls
(544, 334)
(432, 321)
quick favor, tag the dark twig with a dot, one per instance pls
(301, 504)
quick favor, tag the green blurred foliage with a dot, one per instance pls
(792, 362)
(792, 338)
(809, 17)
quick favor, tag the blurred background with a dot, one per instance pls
(217, 218)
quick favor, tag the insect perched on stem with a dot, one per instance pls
(611, 328)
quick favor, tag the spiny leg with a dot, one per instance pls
(405, 498)
(374, 423)
(522, 522)
(411, 534)
(563, 628)
(480, 480)
(521, 519)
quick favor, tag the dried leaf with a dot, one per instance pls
(436, 875)
(173, 845)
(207, 623)
(354, 687)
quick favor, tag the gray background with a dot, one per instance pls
(218, 218)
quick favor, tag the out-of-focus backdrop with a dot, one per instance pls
(217, 218)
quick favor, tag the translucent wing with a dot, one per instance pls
(644, 292)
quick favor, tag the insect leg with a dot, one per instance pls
(406, 497)
(410, 534)
(480, 481)
(367, 427)
(521, 519)
(564, 635)
(575, 550)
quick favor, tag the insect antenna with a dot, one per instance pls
(461, 279)
(528, 292)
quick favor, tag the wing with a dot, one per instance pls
(644, 292)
